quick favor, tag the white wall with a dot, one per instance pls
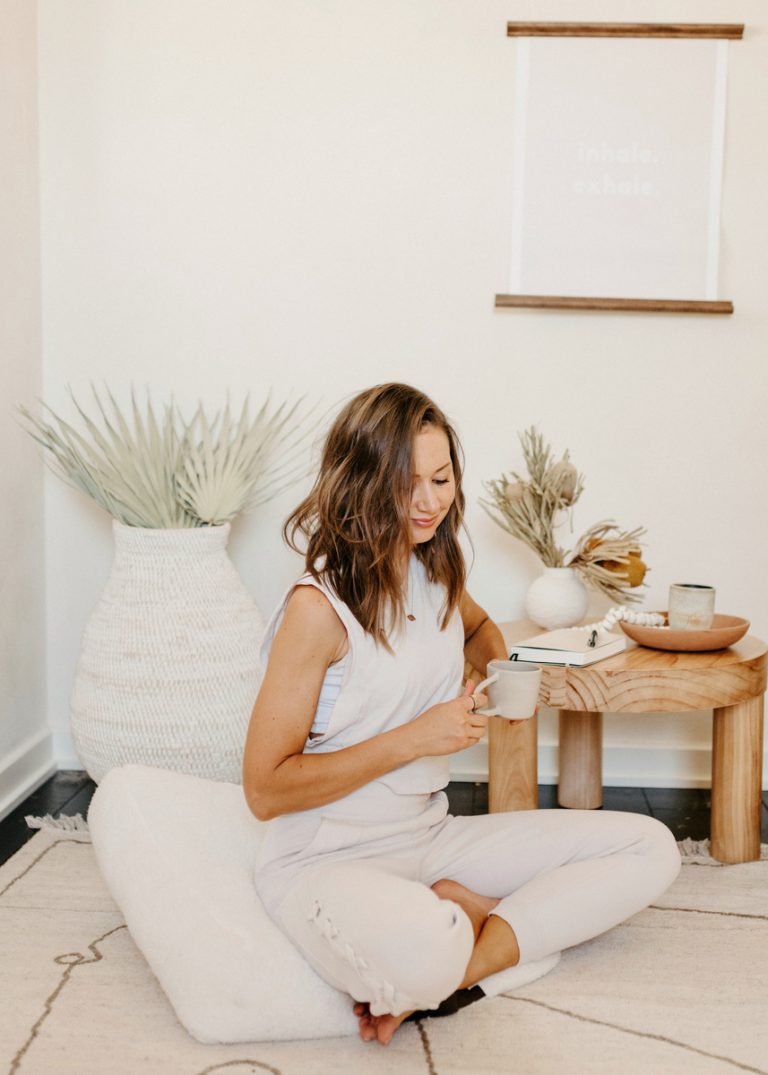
(25, 742)
(316, 197)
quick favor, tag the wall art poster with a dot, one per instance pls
(618, 167)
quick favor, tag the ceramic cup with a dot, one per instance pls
(513, 689)
(691, 606)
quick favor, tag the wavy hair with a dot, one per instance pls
(356, 518)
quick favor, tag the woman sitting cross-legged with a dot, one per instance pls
(389, 897)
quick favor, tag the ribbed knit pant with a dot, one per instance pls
(366, 919)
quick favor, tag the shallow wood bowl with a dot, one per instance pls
(724, 632)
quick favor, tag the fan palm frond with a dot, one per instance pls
(165, 473)
(232, 465)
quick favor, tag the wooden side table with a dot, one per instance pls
(732, 682)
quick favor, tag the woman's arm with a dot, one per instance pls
(277, 777)
(483, 641)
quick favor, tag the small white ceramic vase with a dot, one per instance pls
(558, 598)
(169, 667)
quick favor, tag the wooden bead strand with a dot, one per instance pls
(626, 615)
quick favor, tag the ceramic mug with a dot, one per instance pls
(691, 606)
(513, 689)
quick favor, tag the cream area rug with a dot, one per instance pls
(680, 988)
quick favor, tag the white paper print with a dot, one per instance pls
(618, 167)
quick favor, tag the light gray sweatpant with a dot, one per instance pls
(370, 925)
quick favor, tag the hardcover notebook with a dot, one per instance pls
(569, 645)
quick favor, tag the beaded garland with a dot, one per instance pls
(622, 613)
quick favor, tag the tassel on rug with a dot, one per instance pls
(691, 851)
(74, 826)
(698, 851)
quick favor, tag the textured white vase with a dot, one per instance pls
(169, 667)
(558, 598)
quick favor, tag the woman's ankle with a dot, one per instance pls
(496, 948)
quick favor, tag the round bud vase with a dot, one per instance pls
(558, 598)
(169, 666)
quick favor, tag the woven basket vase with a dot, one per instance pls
(169, 667)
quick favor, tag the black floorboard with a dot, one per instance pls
(56, 797)
(686, 811)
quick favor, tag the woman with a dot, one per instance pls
(389, 898)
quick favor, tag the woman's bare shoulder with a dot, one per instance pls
(310, 618)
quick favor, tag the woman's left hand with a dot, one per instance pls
(448, 727)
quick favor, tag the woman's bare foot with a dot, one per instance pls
(476, 907)
(379, 1028)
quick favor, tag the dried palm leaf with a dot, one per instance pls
(168, 474)
(125, 471)
(229, 467)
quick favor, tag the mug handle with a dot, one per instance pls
(481, 687)
(486, 682)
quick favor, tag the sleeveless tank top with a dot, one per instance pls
(379, 691)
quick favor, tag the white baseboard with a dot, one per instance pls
(623, 766)
(25, 769)
(69, 762)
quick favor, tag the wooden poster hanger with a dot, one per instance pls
(727, 31)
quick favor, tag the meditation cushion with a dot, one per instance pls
(178, 854)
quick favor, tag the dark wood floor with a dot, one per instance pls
(684, 810)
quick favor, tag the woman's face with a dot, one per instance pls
(434, 487)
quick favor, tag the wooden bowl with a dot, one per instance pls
(724, 632)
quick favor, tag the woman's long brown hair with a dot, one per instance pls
(356, 519)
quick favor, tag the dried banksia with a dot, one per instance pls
(565, 477)
(530, 508)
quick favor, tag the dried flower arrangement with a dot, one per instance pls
(606, 557)
(169, 473)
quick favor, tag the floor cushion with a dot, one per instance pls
(178, 854)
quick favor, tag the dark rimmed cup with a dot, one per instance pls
(691, 606)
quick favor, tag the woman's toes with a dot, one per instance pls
(380, 1028)
(388, 1024)
(368, 1030)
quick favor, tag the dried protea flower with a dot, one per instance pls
(633, 570)
(514, 493)
(565, 478)
(530, 508)
(611, 560)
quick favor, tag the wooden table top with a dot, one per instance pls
(649, 680)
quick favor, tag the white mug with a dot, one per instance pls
(513, 689)
(691, 606)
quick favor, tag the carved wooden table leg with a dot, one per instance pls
(580, 785)
(737, 759)
(512, 765)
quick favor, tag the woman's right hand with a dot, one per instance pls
(448, 727)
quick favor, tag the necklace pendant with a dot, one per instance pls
(411, 617)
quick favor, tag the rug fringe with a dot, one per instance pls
(699, 851)
(690, 850)
(75, 824)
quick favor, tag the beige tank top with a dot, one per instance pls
(381, 690)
